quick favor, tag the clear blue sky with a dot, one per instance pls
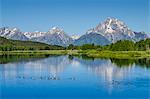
(74, 16)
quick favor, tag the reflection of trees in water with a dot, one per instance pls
(87, 58)
(18, 58)
(145, 62)
(119, 62)
(122, 62)
(70, 57)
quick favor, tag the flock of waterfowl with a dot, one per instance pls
(116, 83)
(45, 78)
(113, 82)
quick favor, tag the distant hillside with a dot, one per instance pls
(8, 45)
(92, 38)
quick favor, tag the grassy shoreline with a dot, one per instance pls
(49, 52)
(118, 54)
(89, 53)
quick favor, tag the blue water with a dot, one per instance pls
(67, 77)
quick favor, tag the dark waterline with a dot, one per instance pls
(69, 77)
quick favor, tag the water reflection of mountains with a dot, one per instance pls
(54, 66)
(33, 67)
(145, 62)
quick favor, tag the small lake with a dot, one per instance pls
(73, 77)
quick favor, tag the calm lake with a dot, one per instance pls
(73, 77)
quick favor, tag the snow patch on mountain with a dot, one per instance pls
(55, 36)
(35, 34)
(55, 30)
(75, 37)
(12, 33)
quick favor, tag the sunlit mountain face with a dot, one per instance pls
(114, 29)
(13, 33)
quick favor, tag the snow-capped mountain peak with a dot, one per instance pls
(4, 31)
(15, 29)
(55, 27)
(55, 36)
(12, 33)
(90, 31)
(35, 34)
(114, 30)
(56, 30)
(111, 25)
(75, 37)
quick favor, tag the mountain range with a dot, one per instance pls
(107, 32)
